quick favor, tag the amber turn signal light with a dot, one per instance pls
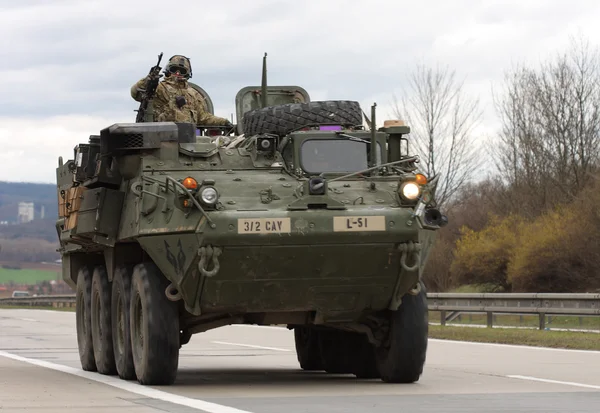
(190, 183)
(421, 179)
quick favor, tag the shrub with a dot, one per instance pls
(482, 257)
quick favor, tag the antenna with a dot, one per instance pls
(263, 88)
(373, 139)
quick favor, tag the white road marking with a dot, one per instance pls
(251, 346)
(131, 387)
(27, 319)
(568, 350)
(569, 383)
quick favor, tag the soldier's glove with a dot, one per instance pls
(180, 101)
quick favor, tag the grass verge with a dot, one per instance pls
(510, 320)
(554, 339)
(27, 276)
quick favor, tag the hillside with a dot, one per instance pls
(11, 193)
(33, 241)
(43, 229)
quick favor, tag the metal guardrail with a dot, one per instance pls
(450, 305)
(57, 301)
(542, 304)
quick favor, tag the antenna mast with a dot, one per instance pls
(263, 89)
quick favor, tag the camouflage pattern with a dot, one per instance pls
(165, 107)
(179, 61)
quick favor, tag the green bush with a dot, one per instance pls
(482, 257)
(559, 251)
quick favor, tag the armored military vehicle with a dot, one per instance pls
(301, 217)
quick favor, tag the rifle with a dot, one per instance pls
(149, 90)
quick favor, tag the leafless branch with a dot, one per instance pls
(442, 119)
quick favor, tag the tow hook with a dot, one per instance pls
(410, 248)
(207, 254)
(415, 290)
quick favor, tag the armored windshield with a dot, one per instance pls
(335, 155)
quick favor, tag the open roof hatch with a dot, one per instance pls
(256, 97)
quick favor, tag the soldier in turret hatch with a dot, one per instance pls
(175, 100)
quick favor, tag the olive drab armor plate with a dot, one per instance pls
(209, 104)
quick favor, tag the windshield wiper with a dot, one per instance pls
(352, 138)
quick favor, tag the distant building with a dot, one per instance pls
(26, 212)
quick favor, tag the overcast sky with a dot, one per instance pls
(68, 65)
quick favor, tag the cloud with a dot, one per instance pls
(69, 64)
(31, 146)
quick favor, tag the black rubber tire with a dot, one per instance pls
(120, 303)
(101, 322)
(154, 323)
(184, 337)
(83, 319)
(336, 351)
(364, 363)
(307, 348)
(283, 119)
(404, 359)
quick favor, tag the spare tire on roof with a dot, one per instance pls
(283, 119)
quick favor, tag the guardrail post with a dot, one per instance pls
(542, 321)
(443, 317)
(490, 319)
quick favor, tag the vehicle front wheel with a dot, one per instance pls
(402, 358)
(154, 323)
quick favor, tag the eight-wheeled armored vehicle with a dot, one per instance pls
(301, 217)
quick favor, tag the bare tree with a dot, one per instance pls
(442, 119)
(548, 144)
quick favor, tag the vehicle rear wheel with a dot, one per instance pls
(154, 323)
(121, 297)
(101, 322)
(84, 320)
(363, 361)
(402, 358)
(336, 351)
(307, 348)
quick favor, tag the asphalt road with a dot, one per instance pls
(240, 369)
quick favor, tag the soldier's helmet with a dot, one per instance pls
(181, 64)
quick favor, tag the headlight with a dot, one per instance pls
(209, 195)
(410, 190)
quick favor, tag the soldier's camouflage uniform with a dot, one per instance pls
(165, 106)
